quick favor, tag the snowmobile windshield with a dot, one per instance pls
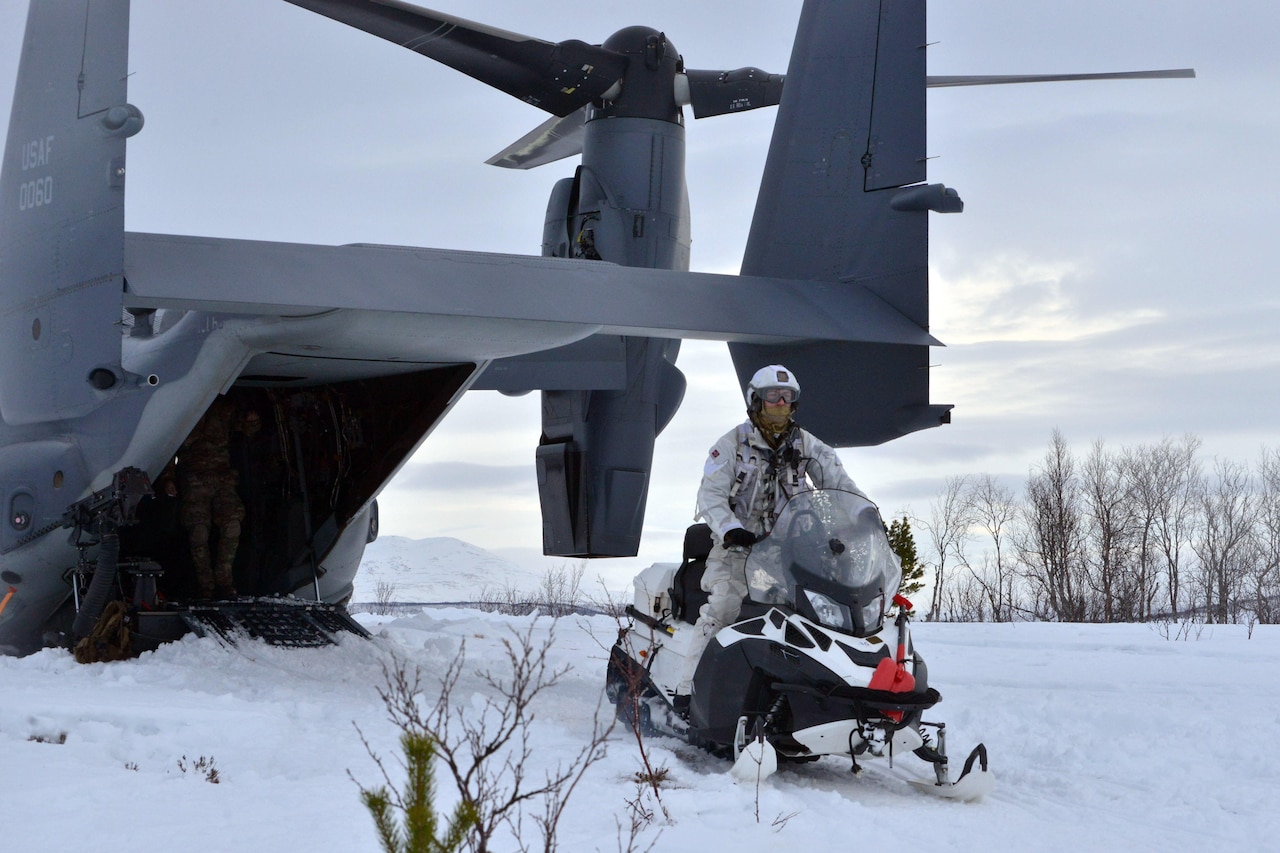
(828, 558)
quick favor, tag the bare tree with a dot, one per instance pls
(1111, 533)
(559, 594)
(486, 745)
(1107, 537)
(384, 596)
(992, 509)
(561, 588)
(1165, 480)
(946, 529)
(966, 599)
(1050, 549)
(626, 689)
(1224, 541)
(508, 599)
(1143, 488)
(1264, 581)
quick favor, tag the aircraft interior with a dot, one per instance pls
(307, 460)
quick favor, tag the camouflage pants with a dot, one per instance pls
(209, 500)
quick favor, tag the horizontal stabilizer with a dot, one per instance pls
(251, 277)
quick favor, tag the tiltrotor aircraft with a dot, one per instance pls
(115, 345)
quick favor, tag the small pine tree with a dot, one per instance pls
(904, 545)
(420, 823)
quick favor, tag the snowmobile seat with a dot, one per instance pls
(687, 596)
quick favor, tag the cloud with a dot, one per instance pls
(456, 477)
(1018, 297)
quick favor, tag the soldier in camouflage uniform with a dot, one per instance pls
(209, 498)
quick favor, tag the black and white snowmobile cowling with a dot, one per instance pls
(804, 672)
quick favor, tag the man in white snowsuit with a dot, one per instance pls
(750, 473)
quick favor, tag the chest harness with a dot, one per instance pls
(765, 477)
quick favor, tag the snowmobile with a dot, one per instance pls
(804, 672)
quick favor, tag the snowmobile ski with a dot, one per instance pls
(975, 779)
(967, 790)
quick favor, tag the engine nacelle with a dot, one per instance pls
(596, 452)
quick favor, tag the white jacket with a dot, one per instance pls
(743, 487)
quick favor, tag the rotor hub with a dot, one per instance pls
(648, 86)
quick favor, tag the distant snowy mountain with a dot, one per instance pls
(437, 569)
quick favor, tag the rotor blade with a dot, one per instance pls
(556, 77)
(554, 139)
(997, 79)
(713, 93)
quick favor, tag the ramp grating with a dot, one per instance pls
(278, 622)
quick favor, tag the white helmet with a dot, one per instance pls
(772, 376)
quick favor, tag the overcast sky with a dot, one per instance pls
(1112, 275)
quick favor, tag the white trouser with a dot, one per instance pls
(725, 582)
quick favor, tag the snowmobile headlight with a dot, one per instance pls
(873, 612)
(830, 612)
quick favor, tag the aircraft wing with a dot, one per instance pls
(265, 278)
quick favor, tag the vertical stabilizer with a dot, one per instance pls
(62, 212)
(838, 202)
(850, 129)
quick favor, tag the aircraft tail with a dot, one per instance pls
(62, 212)
(841, 201)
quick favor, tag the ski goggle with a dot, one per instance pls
(779, 395)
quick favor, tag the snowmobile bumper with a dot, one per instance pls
(863, 701)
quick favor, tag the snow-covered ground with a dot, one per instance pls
(439, 568)
(1104, 738)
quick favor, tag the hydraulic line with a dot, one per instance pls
(104, 578)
